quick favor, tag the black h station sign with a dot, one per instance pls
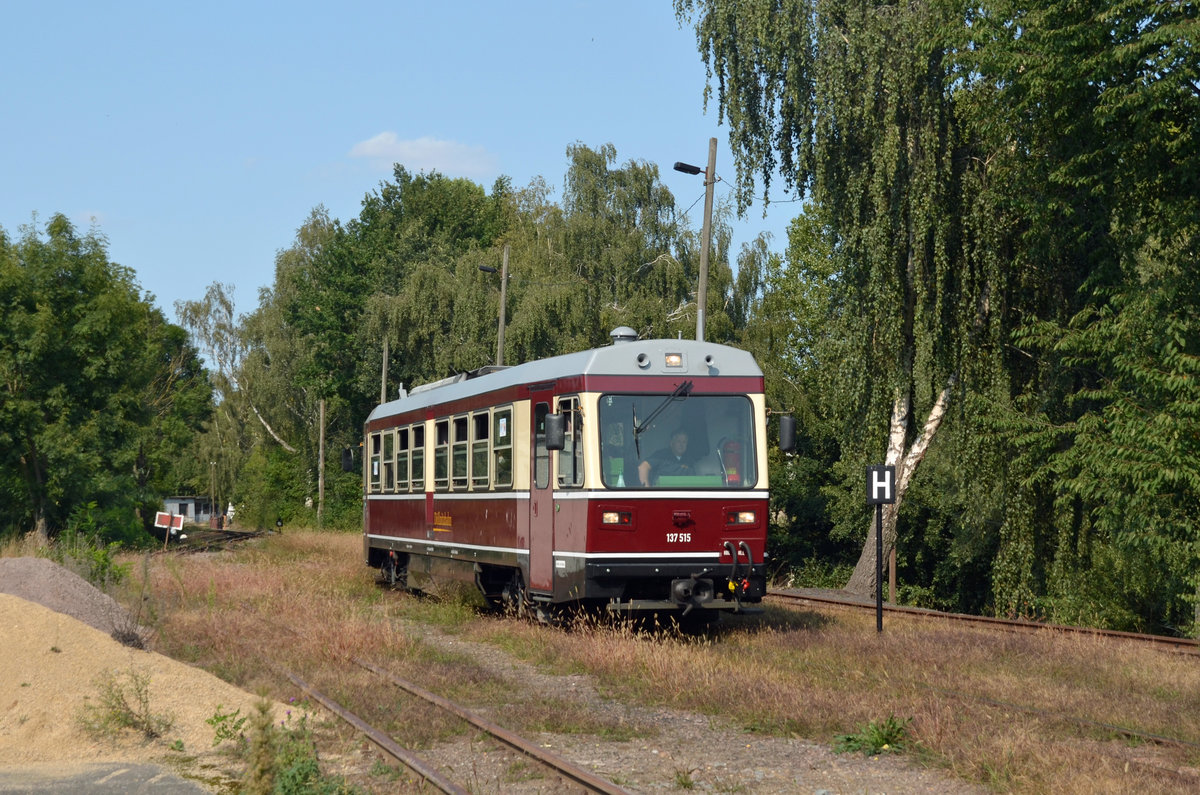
(881, 491)
(881, 485)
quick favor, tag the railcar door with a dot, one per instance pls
(541, 500)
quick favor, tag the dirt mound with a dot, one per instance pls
(58, 650)
(49, 584)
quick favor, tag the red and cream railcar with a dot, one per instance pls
(533, 481)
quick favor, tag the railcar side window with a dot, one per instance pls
(402, 475)
(418, 458)
(541, 456)
(570, 458)
(389, 461)
(502, 443)
(376, 445)
(480, 422)
(458, 454)
(441, 455)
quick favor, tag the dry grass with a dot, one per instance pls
(21, 545)
(1016, 712)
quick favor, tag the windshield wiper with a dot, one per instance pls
(636, 444)
(683, 390)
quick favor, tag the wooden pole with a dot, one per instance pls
(503, 307)
(212, 494)
(321, 469)
(383, 380)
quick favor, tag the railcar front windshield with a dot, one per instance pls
(682, 441)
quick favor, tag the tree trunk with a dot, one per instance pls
(862, 581)
(33, 473)
(41, 530)
(271, 430)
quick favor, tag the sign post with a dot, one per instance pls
(881, 490)
(170, 524)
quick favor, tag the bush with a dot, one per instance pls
(283, 758)
(81, 548)
(124, 706)
(816, 573)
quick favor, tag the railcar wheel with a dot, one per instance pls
(514, 598)
(388, 571)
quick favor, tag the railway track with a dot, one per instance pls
(203, 539)
(809, 597)
(571, 774)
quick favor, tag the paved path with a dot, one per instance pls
(111, 778)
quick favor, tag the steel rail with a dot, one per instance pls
(386, 743)
(1185, 645)
(206, 540)
(569, 770)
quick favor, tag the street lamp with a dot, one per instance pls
(710, 179)
(503, 301)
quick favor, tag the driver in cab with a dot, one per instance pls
(671, 460)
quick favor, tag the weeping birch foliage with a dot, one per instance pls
(851, 104)
(1010, 193)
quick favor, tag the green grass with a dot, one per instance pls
(888, 736)
(123, 702)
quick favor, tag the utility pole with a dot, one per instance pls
(212, 493)
(321, 469)
(383, 381)
(503, 303)
(710, 181)
(503, 307)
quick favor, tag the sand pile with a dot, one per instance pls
(56, 649)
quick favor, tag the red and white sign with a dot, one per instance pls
(165, 520)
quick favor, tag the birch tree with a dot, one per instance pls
(851, 104)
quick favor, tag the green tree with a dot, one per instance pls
(782, 314)
(403, 281)
(1102, 101)
(180, 403)
(100, 394)
(850, 102)
(986, 172)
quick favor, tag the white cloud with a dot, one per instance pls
(426, 154)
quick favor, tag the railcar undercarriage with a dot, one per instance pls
(630, 589)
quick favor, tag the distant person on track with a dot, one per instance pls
(671, 460)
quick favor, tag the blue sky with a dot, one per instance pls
(198, 137)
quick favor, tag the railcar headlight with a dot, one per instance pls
(616, 517)
(674, 360)
(740, 517)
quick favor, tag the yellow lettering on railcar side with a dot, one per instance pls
(442, 522)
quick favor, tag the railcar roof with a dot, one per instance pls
(621, 358)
